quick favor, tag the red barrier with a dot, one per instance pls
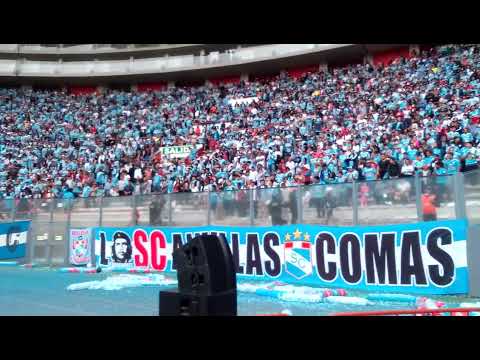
(387, 57)
(299, 72)
(146, 87)
(262, 78)
(418, 312)
(82, 90)
(225, 80)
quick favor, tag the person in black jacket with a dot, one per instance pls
(330, 203)
(156, 208)
(393, 169)
(388, 166)
(275, 208)
(383, 166)
(292, 204)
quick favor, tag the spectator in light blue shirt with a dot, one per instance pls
(68, 194)
(87, 190)
(452, 165)
(369, 172)
(467, 136)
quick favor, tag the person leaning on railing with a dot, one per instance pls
(440, 173)
(408, 169)
(471, 154)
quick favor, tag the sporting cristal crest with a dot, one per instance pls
(298, 256)
(80, 250)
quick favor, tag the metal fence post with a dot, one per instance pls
(209, 213)
(100, 215)
(67, 235)
(51, 233)
(252, 206)
(355, 202)
(169, 209)
(473, 249)
(31, 234)
(93, 258)
(52, 206)
(134, 210)
(299, 204)
(14, 210)
(418, 197)
(459, 195)
(30, 245)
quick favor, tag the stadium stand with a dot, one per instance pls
(400, 116)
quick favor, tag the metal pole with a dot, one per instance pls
(252, 207)
(418, 197)
(473, 250)
(30, 236)
(92, 248)
(30, 245)
(52, 206)
(355, 202)
(209, 214)
(169, 209)
(459, 195)
(298, 193)
(100, 216)
(51, 234)
(134, 210)
(67, 235)
(14, 210)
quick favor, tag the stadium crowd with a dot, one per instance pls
(355, 123)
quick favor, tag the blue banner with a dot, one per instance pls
(422, 258)
(13, 239)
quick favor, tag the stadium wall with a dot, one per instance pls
(259, 60)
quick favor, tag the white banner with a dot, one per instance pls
(80, 240)
(176, 151)
(249, 100)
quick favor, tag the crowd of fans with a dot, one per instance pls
(355, 123)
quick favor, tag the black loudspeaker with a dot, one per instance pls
(177, 304)
(207, 283)
(205, 266)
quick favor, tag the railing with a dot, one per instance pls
(359, 203)
(418, 312)
(22, 67)
(84, 48)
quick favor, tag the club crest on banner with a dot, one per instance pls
(298, 255)
(80, 252)
(80, 249)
